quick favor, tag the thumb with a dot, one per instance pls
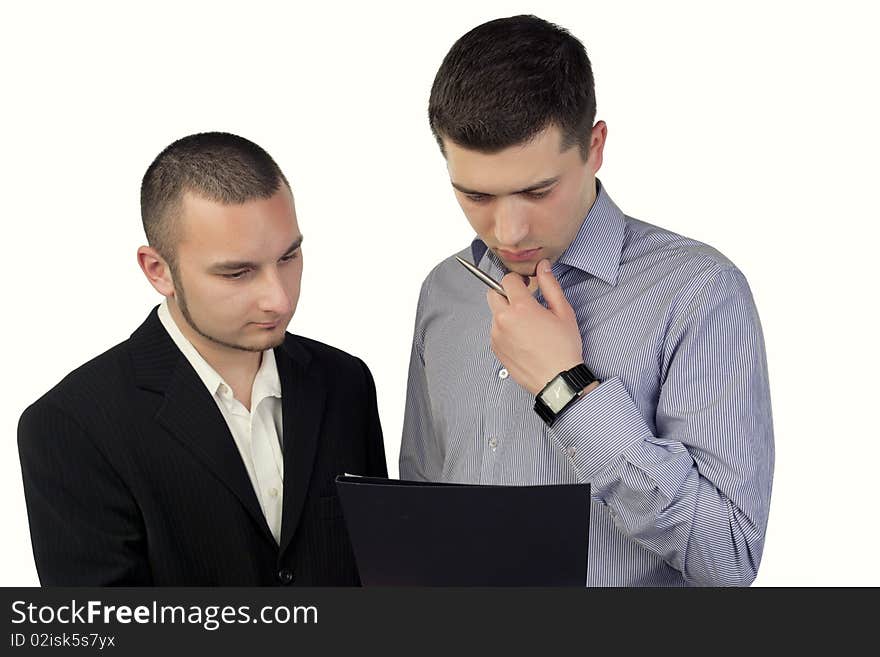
(551, 290)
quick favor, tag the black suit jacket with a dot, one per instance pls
(132, 477)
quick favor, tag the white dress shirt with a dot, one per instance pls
(257, 433)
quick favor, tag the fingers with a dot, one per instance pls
(514, 286)
(496, 302)
(552, 291)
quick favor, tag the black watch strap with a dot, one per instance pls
(544, 412)
(577, 378)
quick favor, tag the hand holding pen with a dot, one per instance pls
(483, 276)
(534, 343)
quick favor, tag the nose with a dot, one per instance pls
(511, 222)
(273, 295)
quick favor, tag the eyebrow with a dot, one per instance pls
(530, 188)
(234, 265)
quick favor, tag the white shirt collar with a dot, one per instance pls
(266, 382)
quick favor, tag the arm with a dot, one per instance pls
(419, 455)
(375, 448)
(697, 490)
(85, 526)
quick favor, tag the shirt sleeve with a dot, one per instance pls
(420, 456)
(695, 488)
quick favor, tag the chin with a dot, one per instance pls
(523, 268)
(265, 345)
(263, 342)
(272, 341)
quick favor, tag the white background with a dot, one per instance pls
(750, 126)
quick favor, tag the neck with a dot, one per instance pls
(587, 200)
(234, 365)
(590, 194)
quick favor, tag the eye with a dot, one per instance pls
(538, 195)
(477, 198)
(289, 257)
(238, 275)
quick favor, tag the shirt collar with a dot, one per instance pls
(595, 249)
(266, 382)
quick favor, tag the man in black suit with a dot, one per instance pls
(203, 449)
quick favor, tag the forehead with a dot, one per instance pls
(515, 167)
(253, 230)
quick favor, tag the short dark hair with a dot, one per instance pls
(218, 166)
(507, 80)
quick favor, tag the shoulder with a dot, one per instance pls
(92, 381)
(324, 356)
(447, 268)
(445, 277)
(73, 404)
(644, 239)
(683, 263)
(692, 276)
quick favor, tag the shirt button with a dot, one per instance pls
(273, 492)
(571, 451)
(503, 374)
(285, 576)
(493, 443)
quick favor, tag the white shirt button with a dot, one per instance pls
(571, 451)
(273, 492)
(503, 374)
(493, 443)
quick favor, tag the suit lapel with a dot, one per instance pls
(303, 395)
(190, 414)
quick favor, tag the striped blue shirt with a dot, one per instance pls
(677, 441)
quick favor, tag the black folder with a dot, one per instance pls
(407, 533)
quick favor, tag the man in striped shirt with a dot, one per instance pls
(624, 356)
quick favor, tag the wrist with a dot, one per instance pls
(563, 390)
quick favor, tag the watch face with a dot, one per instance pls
(557, 394)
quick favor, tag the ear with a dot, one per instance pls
(597, 146)
(156, 270)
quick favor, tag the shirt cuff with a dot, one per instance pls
(599, 427)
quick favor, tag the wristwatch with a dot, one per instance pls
(561, 392)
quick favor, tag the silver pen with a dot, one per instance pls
(483, 276)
